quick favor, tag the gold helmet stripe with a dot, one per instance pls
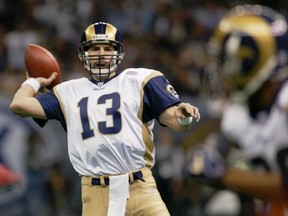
(111, 32)
(89, 32)
(107, 31)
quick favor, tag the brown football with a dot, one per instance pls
(41, 63)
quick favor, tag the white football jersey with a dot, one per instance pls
(265, 138)
(109, 124)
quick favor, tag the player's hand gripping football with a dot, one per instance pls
(45, 82)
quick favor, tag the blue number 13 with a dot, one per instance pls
(110, 111)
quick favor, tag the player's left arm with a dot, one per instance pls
(179, 118)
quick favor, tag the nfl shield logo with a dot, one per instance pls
(100, 84)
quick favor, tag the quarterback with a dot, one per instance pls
(109, 118)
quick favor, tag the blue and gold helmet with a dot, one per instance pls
(101, 33)
(249, 47)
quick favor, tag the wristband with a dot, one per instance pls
(185, 121)
(33, 83)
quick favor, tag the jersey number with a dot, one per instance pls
(110, 111)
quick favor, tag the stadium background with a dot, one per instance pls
(167, 35)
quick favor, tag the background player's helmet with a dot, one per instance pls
(101, 33)
(249, 47)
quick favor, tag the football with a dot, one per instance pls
(40, 62)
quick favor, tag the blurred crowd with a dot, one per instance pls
(167, 35)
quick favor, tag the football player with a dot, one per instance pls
(249, 63)
(109, 118)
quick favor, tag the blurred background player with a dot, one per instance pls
(15, 135)
(28, 157)
(247, 76)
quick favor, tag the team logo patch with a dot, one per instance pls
(170, 90)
